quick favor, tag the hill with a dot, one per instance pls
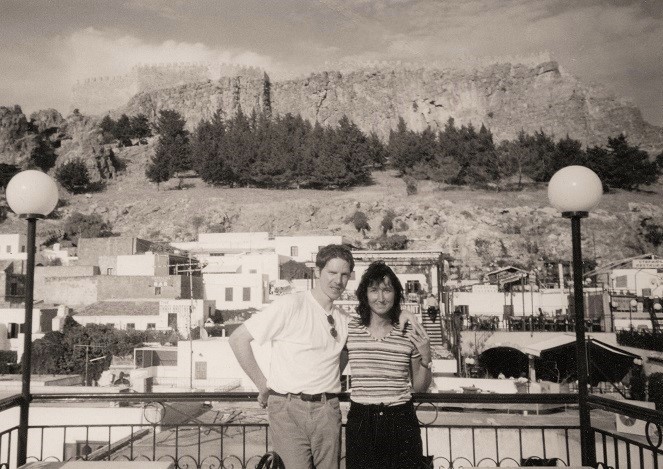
(476, 227)
(505, 97)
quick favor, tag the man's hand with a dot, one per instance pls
(263, 395)
(406, 317)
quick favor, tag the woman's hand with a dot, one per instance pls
(422, 342)
(408, 317)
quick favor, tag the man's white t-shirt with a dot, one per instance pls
(305, 357)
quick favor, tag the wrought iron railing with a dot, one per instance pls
(232, 432)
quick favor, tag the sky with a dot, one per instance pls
(47, 45)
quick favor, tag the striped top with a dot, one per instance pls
(380, 367)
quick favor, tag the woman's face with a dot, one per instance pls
(381, 297)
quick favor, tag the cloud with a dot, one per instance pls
(93, 52)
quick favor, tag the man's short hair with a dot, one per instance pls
(333, 251)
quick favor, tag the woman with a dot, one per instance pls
(387, 366)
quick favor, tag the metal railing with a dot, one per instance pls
(233, 432)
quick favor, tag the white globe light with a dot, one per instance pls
(657, 306)
(32, 193)
(575, 189)
(634, 303)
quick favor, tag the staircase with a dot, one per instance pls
(656, 319)
(433, 329)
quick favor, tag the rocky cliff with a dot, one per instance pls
(507, 98)
(76, 136)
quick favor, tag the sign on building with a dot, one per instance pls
(647, 263)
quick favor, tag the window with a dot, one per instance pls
(229, 294)
(253, 271)
(9, 249)
(13, 289)
(246, 294)
(109, 271)
(172, 320)
(131, 326)
(157, 291)
(151, 326)
(201, 370)
(294, 251)
(22, 248)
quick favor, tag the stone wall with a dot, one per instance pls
(103, 94)
(90, 249)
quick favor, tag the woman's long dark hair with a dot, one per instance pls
(375, 275)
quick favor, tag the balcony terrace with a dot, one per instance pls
(227, 430)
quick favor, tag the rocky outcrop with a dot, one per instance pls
(16, 138)
(77, 136)
(506, 98)
(197, 101)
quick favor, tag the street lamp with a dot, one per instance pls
(574, 191)
(31, 195)
(632, 304)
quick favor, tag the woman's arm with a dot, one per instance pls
(421, 375)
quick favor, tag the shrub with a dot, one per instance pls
(389, 243)
(74, 176)
(410, 185)
(387, 223)
(79, 225)
(7, 361)
(656, 389)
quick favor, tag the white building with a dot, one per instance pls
(239, 267)
(12, 322)
(60, 253)
(199, 364)
(160, 315)
(13, 247)
(642, 282)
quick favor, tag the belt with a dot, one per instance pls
(306, 397)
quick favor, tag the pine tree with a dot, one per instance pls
(172, 153)
(140, 128)
(122, 131)
(74, 176)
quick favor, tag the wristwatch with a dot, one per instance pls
(428, 365)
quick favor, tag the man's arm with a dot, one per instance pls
(240, 343)
(344, 359)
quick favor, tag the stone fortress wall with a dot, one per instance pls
(464, 63)
(100, 95)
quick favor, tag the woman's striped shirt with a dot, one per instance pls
(380, 367)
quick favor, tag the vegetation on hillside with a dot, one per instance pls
(290, 152)
(74, 176)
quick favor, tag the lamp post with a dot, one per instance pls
(657, 309)
(31, 195)
(632, 304)
(614, 305)
(574, 191)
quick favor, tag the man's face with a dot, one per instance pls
(333, 278)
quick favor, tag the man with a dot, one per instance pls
(432, 307)
(308, 334)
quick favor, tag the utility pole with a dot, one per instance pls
(190, 269)
(87, 354)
